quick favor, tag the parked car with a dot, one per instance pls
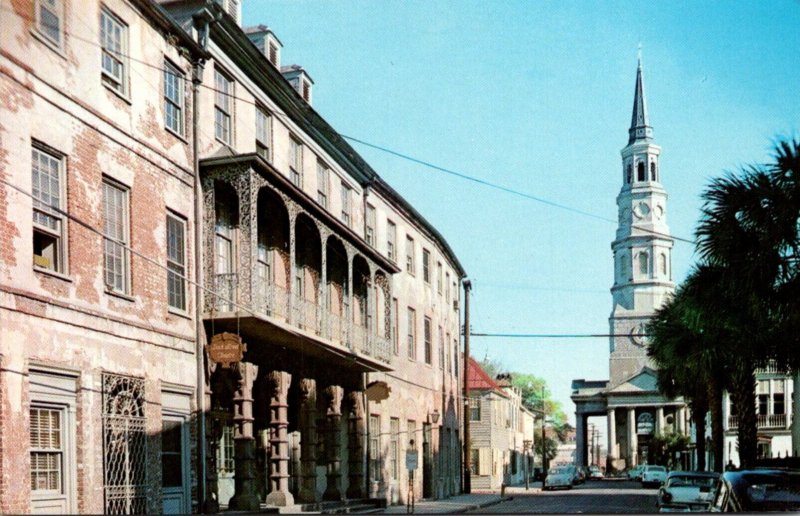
(538, 474)
(687, 491)
(595, 473)
(757, 490)
(653, 475)
(559, 477)
(635, 473)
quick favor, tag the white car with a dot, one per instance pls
(559, 476)
(654, 475)
(687, 491)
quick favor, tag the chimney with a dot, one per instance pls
(503, 380)
(267, 42)
(299, 79)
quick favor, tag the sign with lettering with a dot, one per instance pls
(644, 423)
(412, 457)
(226, 349)
(378, 391)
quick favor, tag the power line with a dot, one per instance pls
(554, 335)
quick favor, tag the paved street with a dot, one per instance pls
(592, 497)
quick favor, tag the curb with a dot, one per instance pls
(473, 507)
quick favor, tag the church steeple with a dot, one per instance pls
(640, 123)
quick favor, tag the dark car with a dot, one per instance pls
(757, 490)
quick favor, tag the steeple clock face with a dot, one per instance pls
(641, 210)
(638, 335)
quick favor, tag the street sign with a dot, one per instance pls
(226, 349)
(412, 459)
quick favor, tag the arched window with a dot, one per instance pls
(625, 268)
(640, 176)
(629, 174)
(644, 265)
(662, 264)
(653, 171)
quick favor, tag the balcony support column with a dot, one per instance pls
(349, 294)
(333, 397)
(323, 284)
(291, 316)
(245, 497)
(279, 495)
(371, 323)
(355, 434)
(308, 440)
(209, 225)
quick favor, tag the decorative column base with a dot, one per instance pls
(308, 441)
(355, 460)
(279, 495)
(245, 498)
(333, 490)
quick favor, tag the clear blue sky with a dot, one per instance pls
(537, 96)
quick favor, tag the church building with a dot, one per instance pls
(642, 250)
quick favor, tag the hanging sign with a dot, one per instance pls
(378, 391)
(226, 349)
(412, 459)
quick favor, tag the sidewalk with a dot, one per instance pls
(453, 505)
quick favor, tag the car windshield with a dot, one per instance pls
(690, 481)
(656, 468)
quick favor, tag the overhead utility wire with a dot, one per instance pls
(385, 149)
(554, 335)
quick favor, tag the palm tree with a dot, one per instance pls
(749, 234)
(689, 354)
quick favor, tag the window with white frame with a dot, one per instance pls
(173, 98)
(428, 336)
(263, 133)
(394, 447)
(296, 161)
(426, 265)
(346, 190)
(441, 348)
(47, 190)
(455, 357)
(116, 230)
(439, 277)
(375, 459)
(410, 268)
(49, 16)
(447, 287)
(644, 263)
(176, 262)
(391, 240)
(370, 225)
(223, 107)
(114, 44)
(450, 357)
(47, 450)
(323, 180)
(395, 329)
(412, 333)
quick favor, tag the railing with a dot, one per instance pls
(358, 338)
(271, 299)
(381, 348)
(226, 290)
(763, 421)
(771, 367)
(306, 313)
(336, 328)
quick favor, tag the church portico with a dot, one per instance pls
(642, 258)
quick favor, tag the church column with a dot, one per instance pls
(581, 454)
(244, 498)
(279, 495)
(633, 445)
(680, 416)
(612, 439)
(333, 395)
(355, 447)
(308, 440)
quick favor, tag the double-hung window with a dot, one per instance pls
(441, 348)
(394, 447)
(369, 234)
(412, 334)
(296, 161)
(395, 330)
(439, 277)
(49, 15)
(427, 333)
(391, 240)
(47, 450)
(114, 44)
(263, 133)
(375, 459)
(426, 265)
(176, 262)
(410, 255)
(346, 204)
(173, 98)
(47, 185)
(323, 178)
(223, 107)
(115, 226)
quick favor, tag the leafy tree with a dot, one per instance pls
(662, 448)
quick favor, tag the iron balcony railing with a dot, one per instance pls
(306, 314)
(226, 290)
(336, 328)
(272, 300)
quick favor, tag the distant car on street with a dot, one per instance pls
(653, 475)
(559, 477)
(757, 490)
(687, 491)
(635, 473)
(595, 473)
